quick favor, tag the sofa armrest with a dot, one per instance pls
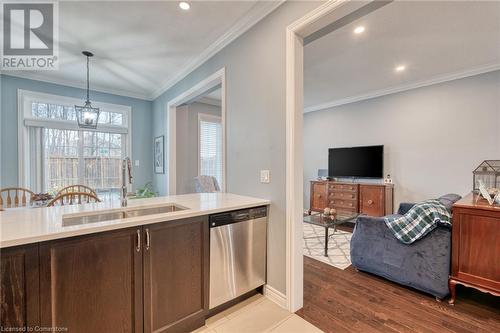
(369, 225)
(404, 207)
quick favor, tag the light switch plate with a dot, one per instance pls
(265, 176)
(136, 163)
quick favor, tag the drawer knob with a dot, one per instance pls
(370, 202)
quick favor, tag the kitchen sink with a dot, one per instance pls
(108, 216)
(153, 210)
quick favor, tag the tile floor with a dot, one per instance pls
(256, 314)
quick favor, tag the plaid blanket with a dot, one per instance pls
(420, 220)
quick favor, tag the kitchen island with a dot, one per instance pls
(103, 268)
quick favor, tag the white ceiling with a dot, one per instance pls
(143, 47)
(436, 41)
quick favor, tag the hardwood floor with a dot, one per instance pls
(349, 301)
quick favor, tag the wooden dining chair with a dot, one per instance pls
(73, 198)
(77, 188)
(15, 197)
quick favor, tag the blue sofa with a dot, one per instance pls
(423, 265)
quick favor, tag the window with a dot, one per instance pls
(210, 147)
(59, 153)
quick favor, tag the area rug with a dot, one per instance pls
(338, 245)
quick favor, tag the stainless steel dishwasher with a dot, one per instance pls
(238, 245)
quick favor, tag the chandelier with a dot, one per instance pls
(86, 115)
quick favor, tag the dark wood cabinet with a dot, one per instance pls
(19, 288)
(176, 275)
(150, 278)
(372, 200)
(369, 199)
(93, 283)
(318, 195)
(475, 246)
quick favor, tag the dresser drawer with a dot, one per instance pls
(343, 187)
(340, 203)
(345, 195)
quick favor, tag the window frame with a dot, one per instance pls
(25, 98)
(210, 118)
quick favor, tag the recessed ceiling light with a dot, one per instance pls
(359, 29)
(184, 5)
(400, 68)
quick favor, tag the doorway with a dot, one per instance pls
(196, 144)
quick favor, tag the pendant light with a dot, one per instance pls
(86, 115)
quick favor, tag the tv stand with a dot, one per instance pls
(352, 197)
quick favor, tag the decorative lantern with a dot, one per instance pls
(86, 115)
(489, 173)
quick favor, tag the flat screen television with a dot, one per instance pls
(356, 162)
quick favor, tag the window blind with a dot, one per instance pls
(210, 147)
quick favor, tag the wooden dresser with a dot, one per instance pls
(369, 199)
(475, 246)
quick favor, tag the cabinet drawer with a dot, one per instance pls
(341, 210)
(343, 187)
(345, 195)
(343, 204)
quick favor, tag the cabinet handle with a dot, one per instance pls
(138, 247)
(148, 240)
(370, 202)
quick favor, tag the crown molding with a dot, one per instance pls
(256, 13)
(405, 87)
(68, 83)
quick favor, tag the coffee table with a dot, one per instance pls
(327, 223)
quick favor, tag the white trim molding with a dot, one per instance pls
(214, 80)
(404, 87)
(295, 33)
(275, 296)
(78, 85)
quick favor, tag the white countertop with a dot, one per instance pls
(20, 226)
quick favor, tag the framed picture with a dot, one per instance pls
(159, 154)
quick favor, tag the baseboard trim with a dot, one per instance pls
(275, 296)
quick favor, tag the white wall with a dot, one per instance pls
(187, 143)
(433, 136)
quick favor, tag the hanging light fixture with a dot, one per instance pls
(86, 115)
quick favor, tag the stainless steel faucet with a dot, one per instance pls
(126, 166)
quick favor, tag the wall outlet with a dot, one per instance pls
(136, 163)
(265, 177)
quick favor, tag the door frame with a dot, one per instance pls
(310, 23)
(212, 81)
